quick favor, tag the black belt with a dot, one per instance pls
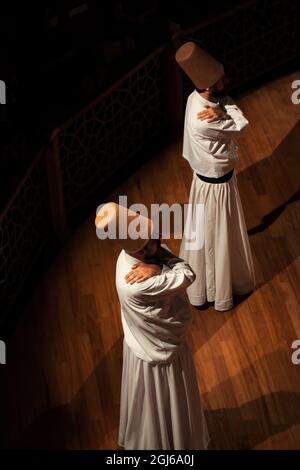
(222, 179)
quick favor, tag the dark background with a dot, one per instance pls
(54, 61)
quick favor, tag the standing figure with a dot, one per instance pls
(224, 265)
(160, 400)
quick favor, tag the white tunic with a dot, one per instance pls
(224, 265)
(209, 146)
(160, 402)
(155, 313)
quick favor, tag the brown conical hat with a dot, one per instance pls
(202, 68)
(123, 221)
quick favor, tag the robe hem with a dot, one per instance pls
(220, 305)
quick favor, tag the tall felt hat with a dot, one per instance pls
(202, 68)
(131, 230)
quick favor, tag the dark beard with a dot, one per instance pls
(219, 93)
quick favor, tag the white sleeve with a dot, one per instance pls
(229, 128)
(237, 116)
(223, 129)
(177, 279)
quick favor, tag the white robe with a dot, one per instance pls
(160, 401)
(210, 147)
(224, 265)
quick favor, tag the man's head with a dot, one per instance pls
(148, 251)
(217, 90)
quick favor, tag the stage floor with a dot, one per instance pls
(61, 388)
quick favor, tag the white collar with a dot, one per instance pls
(130, 259)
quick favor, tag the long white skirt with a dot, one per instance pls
(160, 404)
(223, 266)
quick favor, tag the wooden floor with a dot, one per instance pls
(61, 388)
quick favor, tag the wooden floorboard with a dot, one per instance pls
(61, 388)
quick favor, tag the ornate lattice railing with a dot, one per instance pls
(111, 131)
(82, 154)
(25, 232)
